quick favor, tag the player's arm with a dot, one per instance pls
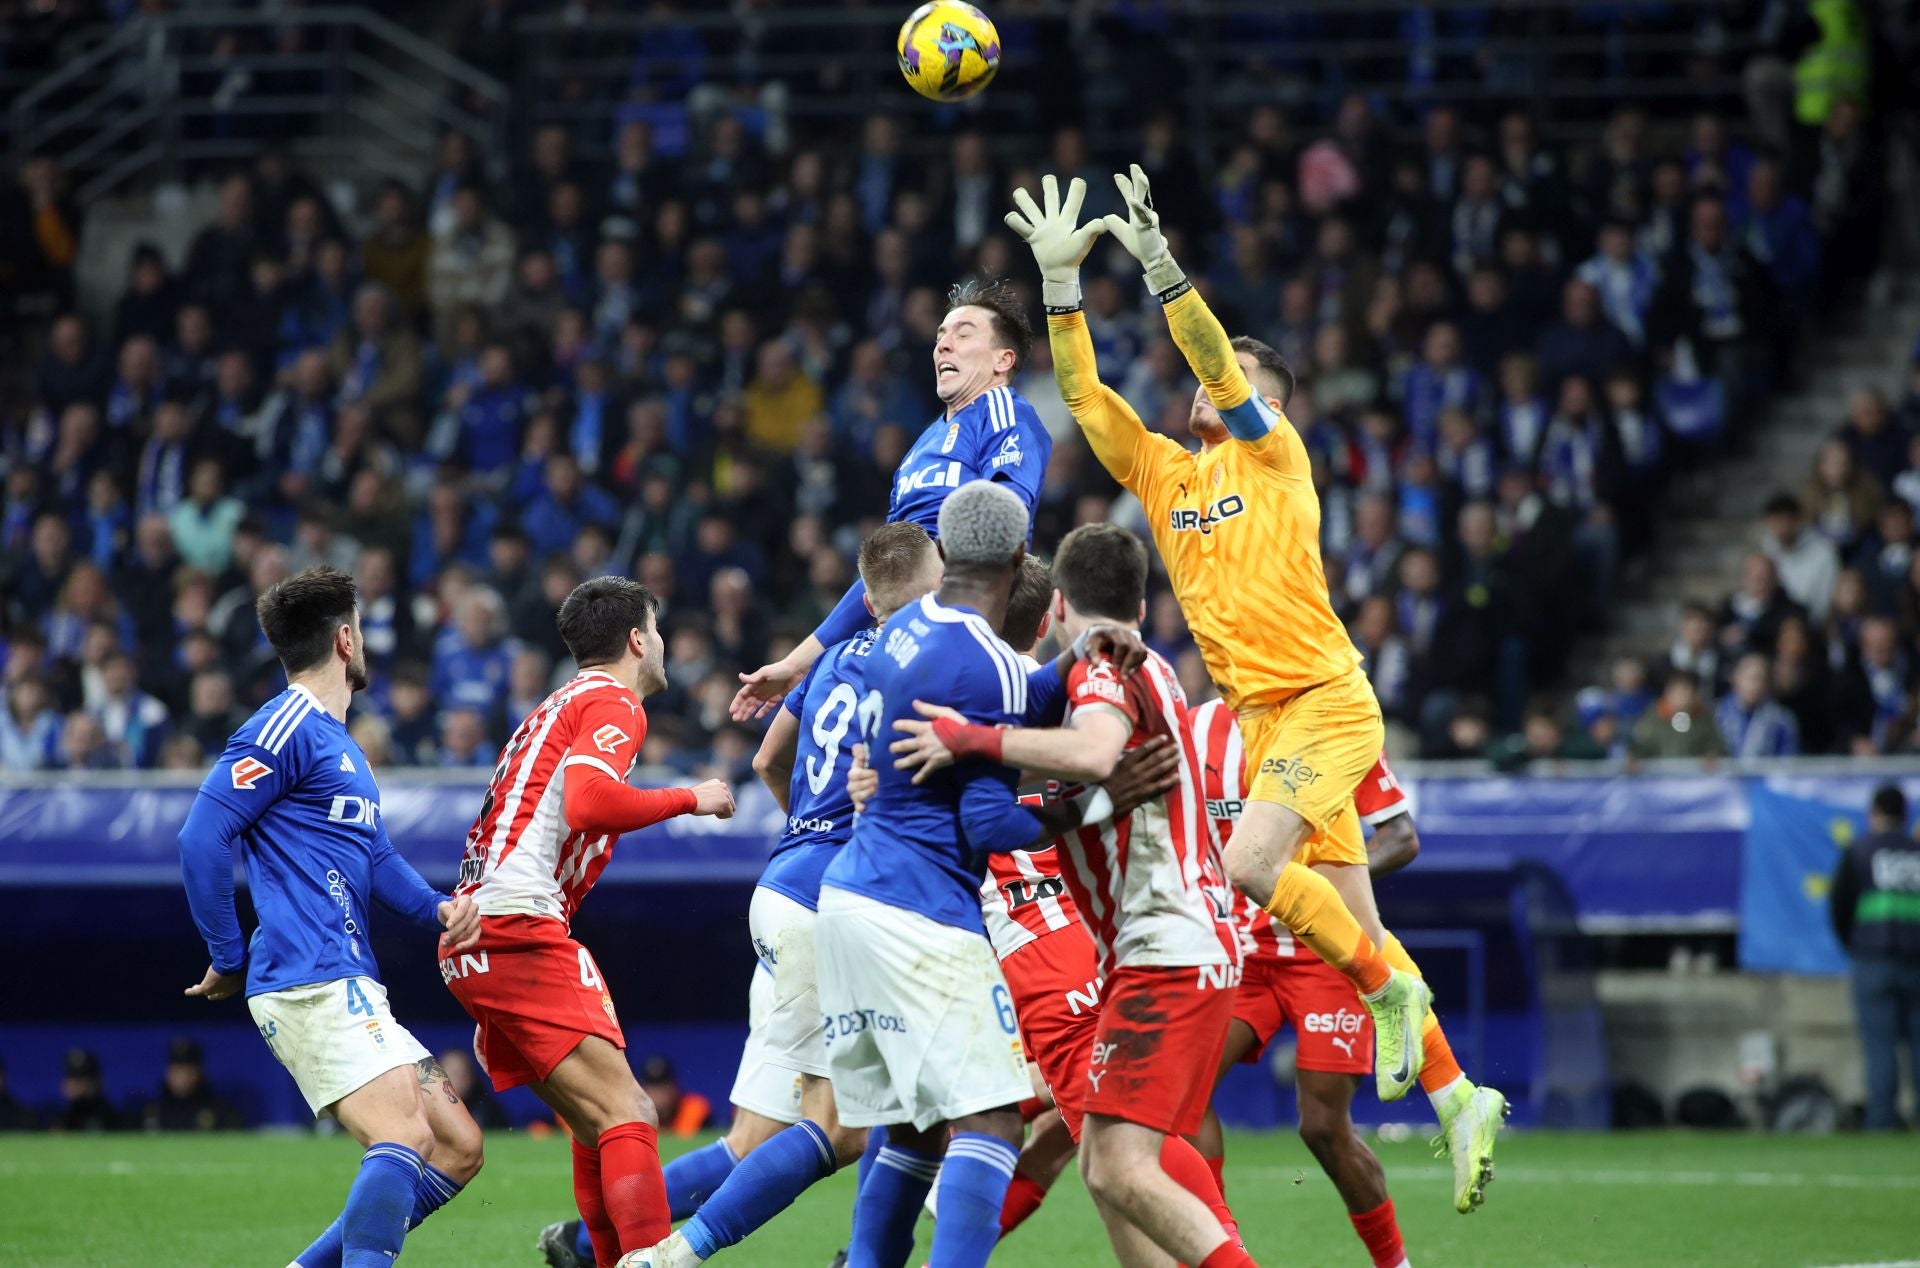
(240, 788)
(774, 762)
(1083, 752)
(1198, 333)
(598, 798)
(402, 891)
(1047, 685)
(1393, 845)
(768, 685)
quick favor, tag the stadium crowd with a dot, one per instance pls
(698, 363)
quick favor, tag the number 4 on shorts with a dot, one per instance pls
(357, 1002)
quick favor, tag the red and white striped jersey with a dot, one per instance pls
(1216, 741)
(1149, 887)
(1025, 898)
(522, 858)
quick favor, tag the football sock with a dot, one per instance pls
(973, 1189)
(1186, 1168)
(603, 1239)
(761, 1187)
(1308, 905)
(1024, 1196)
(1219, 1168)
(694, 1177)
(325, 1251)
(1381, 1233)
(632, 1186)
(1228, 1254)
(374, 1223)
(1440, 1075)
(889, 1205)
(876, 1141)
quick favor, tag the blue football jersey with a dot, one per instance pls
(295, 793)
(923, 847)
(997, 437)
(819, 812)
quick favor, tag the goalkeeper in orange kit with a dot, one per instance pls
(1238, 525)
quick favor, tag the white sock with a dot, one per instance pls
(1440, 1096)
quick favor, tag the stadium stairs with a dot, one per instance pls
(1711, 519)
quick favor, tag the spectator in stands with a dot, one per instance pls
(1873, 704)
(14, 1116)
(1680, 725)
(1841, 500)
(463, 739)
(202, 526)
(1582, 341)
(396, 251)
(470, 666)
(1623, 280)
(222, 253)
(471, 261)
(1778, 229)
(780, 400)
(187, 1102)
(1846, 174)
(1872, 904)
(1714, 295)
(84, 1106)
(212, 711)
(1751, 722)
(1751, 616)
(414, 733)
(1884, 555)
(30, 727)
(1806, 562)
(681, 1113)
(376, 361)
(131, 721)
(1696, 648)
(1878, 439)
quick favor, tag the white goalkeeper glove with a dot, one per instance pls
(1058, 245)
(1139, 232)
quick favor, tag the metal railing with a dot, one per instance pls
(357, 95)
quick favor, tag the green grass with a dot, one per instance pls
(1651, 1199)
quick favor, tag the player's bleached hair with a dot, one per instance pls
(982, 525)
(1027, 605)
(892, 560)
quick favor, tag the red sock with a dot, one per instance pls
(593, 1208)
(1219, 1168)
(1228, 1254)
(1183, 1163)
(1024, 1196)
(1381, 1232)
(635, 1191)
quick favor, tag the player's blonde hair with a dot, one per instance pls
(892, 561)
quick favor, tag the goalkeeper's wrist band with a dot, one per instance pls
(968, 739)
(1060, 297)
(1166, 279)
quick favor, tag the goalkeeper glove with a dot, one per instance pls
(1058, 246)
(1139, 232)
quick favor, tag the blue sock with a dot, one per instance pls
(374, 1223)
(761, 1187)
(888, 1207)
(435, 1190)
(973, 1188)
(876, 1141)
(694, 1177)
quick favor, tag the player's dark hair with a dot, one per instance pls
(301, 614)
(1027, 605)
(1270, 363)
(1102, 571)
(597, 617)
(890, 558)
(1011, 326)
(1890, 803)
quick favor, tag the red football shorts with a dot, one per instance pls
(1334, 1029)
(534, 993)
(1161, 1034)
(1055, 984)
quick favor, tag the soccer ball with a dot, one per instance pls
(948, 50)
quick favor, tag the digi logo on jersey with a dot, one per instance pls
(941, 475)
(362, 811)
(1187, 521)
(249, 771)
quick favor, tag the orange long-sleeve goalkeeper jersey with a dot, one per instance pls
(1238, 525)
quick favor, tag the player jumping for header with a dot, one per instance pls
(293, 790)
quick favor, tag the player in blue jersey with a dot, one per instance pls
(987, 431)
(295, 793)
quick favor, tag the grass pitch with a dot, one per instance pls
(1629, 1200)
